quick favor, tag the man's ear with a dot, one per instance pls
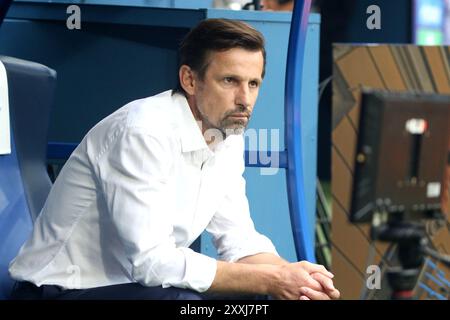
(187, 79)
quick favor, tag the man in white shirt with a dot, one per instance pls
(147, 180)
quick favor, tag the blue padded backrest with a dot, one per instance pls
(15, 218)
(24, 182)
(31, 94)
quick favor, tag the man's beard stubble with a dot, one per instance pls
(227, 126)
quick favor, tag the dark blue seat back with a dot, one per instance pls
(24, 182)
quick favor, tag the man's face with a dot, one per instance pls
(227, 94)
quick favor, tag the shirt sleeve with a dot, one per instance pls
(133, 174)
(232, 229)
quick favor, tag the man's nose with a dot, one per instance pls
(243, 97)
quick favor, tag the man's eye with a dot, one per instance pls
(254, 84)
(228, 80)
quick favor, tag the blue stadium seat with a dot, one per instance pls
(24, 182)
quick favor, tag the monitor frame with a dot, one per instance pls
(386, 154)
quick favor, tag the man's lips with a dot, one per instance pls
(239, 115)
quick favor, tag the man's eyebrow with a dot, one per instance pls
(232, 76)
(239, 78)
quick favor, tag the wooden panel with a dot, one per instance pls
(340, 172)
(345, 132)
(404, 67)
(350, 237)
(445, 54)
(347, 279)
(418, 68)
(438, 69)
(342, 98)
(389, 70)
(358, 68)
(441, 240)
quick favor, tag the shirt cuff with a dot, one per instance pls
(200, 271)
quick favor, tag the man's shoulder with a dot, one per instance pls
(153, 114)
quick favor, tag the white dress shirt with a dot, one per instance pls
(138, 190)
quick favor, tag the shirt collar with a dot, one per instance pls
(191, 136)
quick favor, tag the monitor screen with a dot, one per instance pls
(401, 154)
(431, 22)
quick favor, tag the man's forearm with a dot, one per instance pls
(276, 278)
(263, 258)
(251, 274)
(244, 278)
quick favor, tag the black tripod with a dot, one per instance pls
(412, 248)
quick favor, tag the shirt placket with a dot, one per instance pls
(205, 195)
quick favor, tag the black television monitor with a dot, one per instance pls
(401, 154)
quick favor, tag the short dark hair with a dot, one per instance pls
(217, 35)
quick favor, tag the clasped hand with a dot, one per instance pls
(305, 281)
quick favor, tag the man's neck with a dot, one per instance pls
(204, 125)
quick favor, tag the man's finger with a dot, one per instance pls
(335, 294)
(313, 283)
(327, 284)
(313, 294)
(312, 267)
(302, 297)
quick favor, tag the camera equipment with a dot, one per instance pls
(256, 4)
(399, 175)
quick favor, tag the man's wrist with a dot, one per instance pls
(272, 278)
